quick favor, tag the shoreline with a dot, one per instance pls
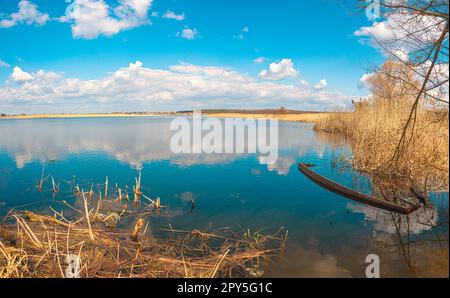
(311, 117)
(90, 115)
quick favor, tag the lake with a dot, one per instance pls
(328, 235)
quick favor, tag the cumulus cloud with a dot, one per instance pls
(173, 16)
(393, 35)
(18, 75)
(321, 85)
(278, 71)
(28, 13)
(381, 31)
(178, 87)
(92, 18)
(4, 64)
(188, 33)
(364, 81)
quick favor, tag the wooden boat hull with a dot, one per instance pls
(354, 195)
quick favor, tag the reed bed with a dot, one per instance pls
(374, 128)
(374, 135)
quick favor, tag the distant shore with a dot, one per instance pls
(302, 117)
(266, 114)
(89, 115)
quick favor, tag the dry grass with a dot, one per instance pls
(303, 117)
(34, 245)
(374, 131)
(43, 245)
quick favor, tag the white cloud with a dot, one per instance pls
(424, 219)
(394, 37)
(304, 83)
(28, 13)
(92, 18)
(321, 85)
(278, 71)
(259, 60)
(4, 64)
(400, 54)
(282, 166)
(135, 66)
(242, 34)
(364, 82)
(188, 33)
(438, 86)
(381, 31)
(18, 75)
(173, 16)
(178, 87)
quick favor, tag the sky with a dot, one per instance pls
(169, 55)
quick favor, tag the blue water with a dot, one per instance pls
(328, 235)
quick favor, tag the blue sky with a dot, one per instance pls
(317, 37)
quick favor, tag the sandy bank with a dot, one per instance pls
(302, 117)
(93, 115)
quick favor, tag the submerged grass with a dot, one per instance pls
(43, 245)
(34, 245)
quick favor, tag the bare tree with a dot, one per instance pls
(417, 37)
(393, 82)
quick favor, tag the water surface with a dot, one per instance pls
(328, 234)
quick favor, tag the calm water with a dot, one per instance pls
(328, 235)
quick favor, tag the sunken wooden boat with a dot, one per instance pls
(354, 195)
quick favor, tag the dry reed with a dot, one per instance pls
(374, 128)
(35, 245)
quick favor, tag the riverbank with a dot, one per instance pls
(312, 117)
(301, 117)
(89, 115)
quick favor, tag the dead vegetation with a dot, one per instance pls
(401, 130)
(42, 246)
(376, 126)
(85, 241)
